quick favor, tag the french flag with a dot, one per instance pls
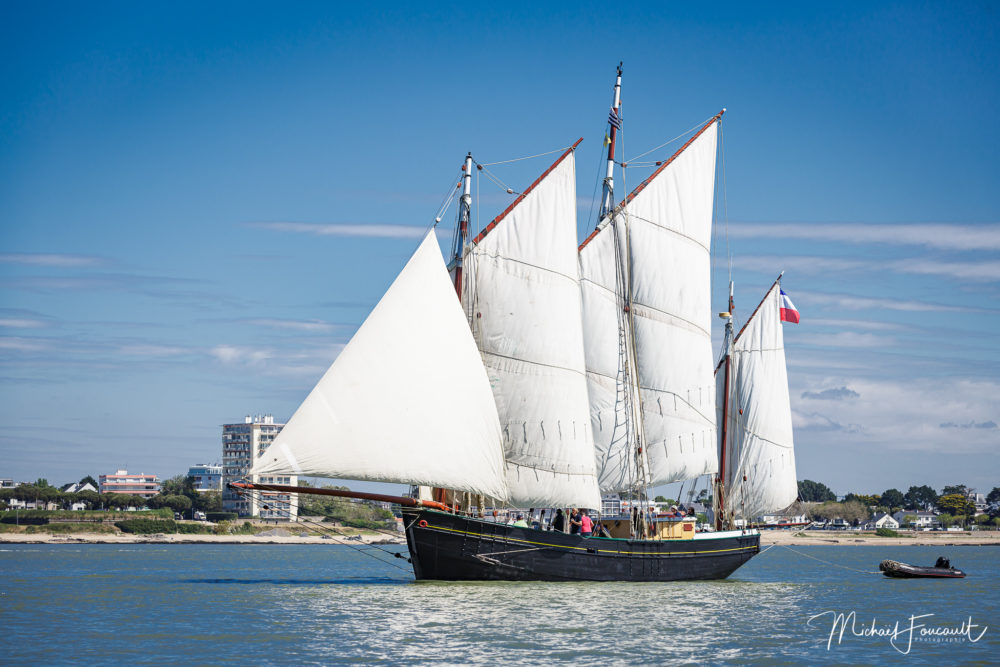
(788, 311)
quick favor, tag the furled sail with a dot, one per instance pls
(407, 400)
(759, 422)
(662, 235)
(521, 290)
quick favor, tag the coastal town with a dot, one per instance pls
(198, 503)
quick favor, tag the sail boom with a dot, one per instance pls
(340, 493)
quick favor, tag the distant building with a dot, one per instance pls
(242, 444)
(977, 499)
(7, 484)
(134, 484)
(206, 477)
(882, 520)
(76, 487)
(918, 520)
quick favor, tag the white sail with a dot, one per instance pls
(407, 400)
(665, 235)
(759, 443)
(521, 290)
(607, 339)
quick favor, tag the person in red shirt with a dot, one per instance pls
(586, 525)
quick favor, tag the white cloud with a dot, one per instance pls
(855, 324)
(238, 355)
(23, 344)
(987, 271)
(147, 350)
(902, 415)
(852, 339)
(851, 302)
(941, 236)
(21, 323)
(50, 259)
(361, 230)
(980, 271)
(295, 325)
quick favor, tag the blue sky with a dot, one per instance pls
(199, 204)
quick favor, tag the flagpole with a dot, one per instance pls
(614, 123)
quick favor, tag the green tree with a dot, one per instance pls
(660, 499)
(92, 498)
(176, 503)
(865, 499)
(893, 499)
(814, 492)
(90, 480)
(117, 501)
(956, 504)
(207, 501)
(178, 485)
(908, 519)
(993, 497)
(957, 488)
(920, 497)
(945, 520)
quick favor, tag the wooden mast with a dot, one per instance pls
(720, 482)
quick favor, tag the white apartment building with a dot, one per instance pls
(241, 445)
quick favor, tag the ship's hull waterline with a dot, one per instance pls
(452, 547)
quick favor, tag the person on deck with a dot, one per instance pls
(520, 523)
(586, 524)
(559, 522)
(574, 522)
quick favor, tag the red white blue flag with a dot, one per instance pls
(788, 310)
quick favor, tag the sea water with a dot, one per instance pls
(333, 604)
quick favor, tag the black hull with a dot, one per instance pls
(455, 548)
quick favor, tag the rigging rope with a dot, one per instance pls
(527, 157)
(846, 567)
(271, 503)
(678, 137)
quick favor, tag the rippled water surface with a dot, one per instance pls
(324, 604)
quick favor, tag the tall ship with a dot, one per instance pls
(532, 371)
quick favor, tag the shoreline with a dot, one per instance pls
(767, 538)
(848, 538)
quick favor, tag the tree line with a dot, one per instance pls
(177, 493)
(953, 503)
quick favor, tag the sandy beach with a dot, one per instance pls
(280, 536)
(848, 538)
(101, 538)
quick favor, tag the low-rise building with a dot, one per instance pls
(882, 520)
(76, 487)
(130, 484)
(206, 477)
(917, 520)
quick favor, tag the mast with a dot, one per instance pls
(462, 229)
(614, 124)
(455, 265)
(720, 482)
